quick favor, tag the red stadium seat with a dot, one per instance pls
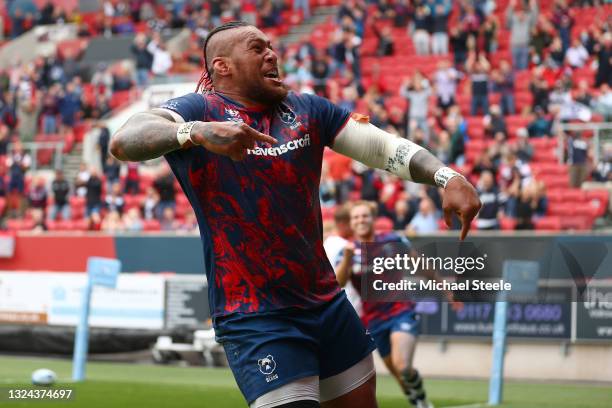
(600, 198)
(548, 224)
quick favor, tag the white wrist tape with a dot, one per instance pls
(443, 175)
(183, 134)
(376, 148)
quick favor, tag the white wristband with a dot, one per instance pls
(443, 175)
(183, 134)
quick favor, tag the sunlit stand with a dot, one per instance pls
(523, 276)
(100, 272)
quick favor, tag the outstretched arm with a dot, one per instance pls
(154, 133)
(376, 148)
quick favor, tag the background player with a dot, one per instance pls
(334, 248)
(393, 325)
(291, 337)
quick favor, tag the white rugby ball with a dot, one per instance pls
(43, 376)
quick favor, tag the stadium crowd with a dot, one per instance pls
(482, 84)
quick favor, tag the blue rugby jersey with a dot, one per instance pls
(260, 218)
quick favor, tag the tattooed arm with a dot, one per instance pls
(379, 149)
(145, 136)
(152, 134)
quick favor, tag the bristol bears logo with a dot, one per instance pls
(288, 117)
(267, 365)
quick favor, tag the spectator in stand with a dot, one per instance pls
(102, 80)
(149, 204)
(61, 190)
(604, 60)
(112, 170)
(132, 221)
(93, 196)
(503, 83)
(539, 89)
(445, 81)
(122, 78)
(303, 5)
(603, 103)
(168, 221)
(556, 54)
(403, 212)
(576, 56)
(49, 109)
(18, 162)
(114, 200)
(386, 44)
(440, 11)
(69, 106)
(489, 32)
(459, 44)
(37, 196)
(422, 27)
(103, 141)
(425, 221)
(603, 171)
(269, 14)
(320, 72)
(162, 60)
(491, 210)
(478, 68)
(457, 143)
(524, 149)
(521, 20)
(583, 94)
(577, 158)
(417, 91)
(132, 179)
(112, 222)
(494, 122)
(563, 21)
(190, 223)
(541, 38)
(143, 59)
(164, 185)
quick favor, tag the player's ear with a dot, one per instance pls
(221, 66)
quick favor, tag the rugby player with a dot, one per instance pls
(393, 325)
(248, 153)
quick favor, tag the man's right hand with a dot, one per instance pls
(230, 139)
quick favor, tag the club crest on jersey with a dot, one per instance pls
(288, 117)
(233, 115)
(267, 365)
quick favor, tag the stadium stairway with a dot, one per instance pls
(72, 162)
(319, 16)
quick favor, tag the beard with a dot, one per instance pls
(265, 93)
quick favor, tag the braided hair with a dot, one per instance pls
(205, 83)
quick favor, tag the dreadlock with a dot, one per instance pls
(205, 82)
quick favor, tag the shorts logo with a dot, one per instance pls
(405, 326)
(267, 365)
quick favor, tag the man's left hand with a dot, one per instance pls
(460, 198)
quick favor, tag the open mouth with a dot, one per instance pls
(272, 74)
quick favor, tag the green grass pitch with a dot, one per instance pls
(151, 386)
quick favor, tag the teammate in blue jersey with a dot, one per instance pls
(393, 325)
(248, 154)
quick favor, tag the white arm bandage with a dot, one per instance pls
(376, 148)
